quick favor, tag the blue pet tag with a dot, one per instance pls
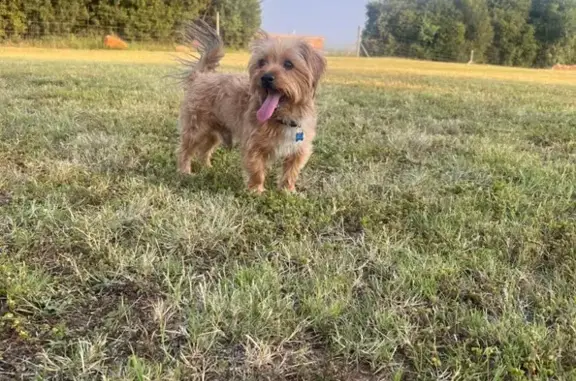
(300, 136)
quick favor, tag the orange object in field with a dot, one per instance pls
(114, 42)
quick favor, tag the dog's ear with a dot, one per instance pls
(258, 39)
(261, 34)
(316, 61)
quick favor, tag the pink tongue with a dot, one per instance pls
(268, 107)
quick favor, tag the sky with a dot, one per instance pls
(337, 23)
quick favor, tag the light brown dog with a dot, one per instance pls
(270, 114)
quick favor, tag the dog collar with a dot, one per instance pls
(289, 122)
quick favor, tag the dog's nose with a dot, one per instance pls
(267, 80)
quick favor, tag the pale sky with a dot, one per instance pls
(336, 20)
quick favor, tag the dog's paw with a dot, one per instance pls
(185, 172)
(288, 188)
(257, 189)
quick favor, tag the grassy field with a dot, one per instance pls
(433, 236)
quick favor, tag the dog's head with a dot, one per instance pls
(284, 71)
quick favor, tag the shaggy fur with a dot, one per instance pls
(223, 108)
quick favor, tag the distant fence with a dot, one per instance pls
(316, 41)
(111, 36)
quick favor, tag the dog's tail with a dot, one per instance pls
(210, 48)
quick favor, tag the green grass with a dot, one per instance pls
(433, 237)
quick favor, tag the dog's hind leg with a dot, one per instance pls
(206, 147)
(197, 139)
(185, 153)
(188, 141)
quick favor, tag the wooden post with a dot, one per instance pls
(218, 23)
(359, 41)
(364, 50)
(471, 57)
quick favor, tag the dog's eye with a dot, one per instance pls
(288, 65)
(262, 62)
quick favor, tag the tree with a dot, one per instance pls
(394, 27)
(159, 20)
(479, 32)
(239, 20)
(514, 42)
(504, 32)
(554, 23)
(372, 38)
(415, 28)
(12, 19)
(449, 40)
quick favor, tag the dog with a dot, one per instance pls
(270, 114)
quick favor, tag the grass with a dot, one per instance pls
(96, 41)
(433, 238)
(76, 42)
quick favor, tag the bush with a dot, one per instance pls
(132, 20)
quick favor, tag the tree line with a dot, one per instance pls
(536, 33)
(142, 20)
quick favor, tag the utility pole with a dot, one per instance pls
(359, 41)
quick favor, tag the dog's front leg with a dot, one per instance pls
(291, 168)
(255, 167)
